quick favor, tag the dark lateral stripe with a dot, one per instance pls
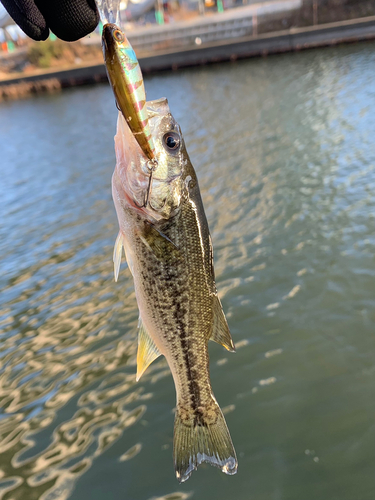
(194, 391)
(177, 334)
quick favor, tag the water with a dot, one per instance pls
(284, 151)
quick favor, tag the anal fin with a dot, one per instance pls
(147, 350)
(220, 331)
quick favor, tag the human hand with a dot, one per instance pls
(67, 19)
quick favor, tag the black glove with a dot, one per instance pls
(67, 19)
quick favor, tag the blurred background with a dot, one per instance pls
(284, 151)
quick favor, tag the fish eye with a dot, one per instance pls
(118, 36)
(171, 141)
(192, 184)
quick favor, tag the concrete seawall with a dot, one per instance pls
(269, 43)
(229, 49)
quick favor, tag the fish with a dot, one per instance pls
(164, 232)
(125, 76)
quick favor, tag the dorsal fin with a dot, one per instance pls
(147, 350)
(117, 254)
(220, 331)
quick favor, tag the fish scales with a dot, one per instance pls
(175, 291)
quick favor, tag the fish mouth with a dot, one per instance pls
(156, 110)
(132, 164)
(158, 107)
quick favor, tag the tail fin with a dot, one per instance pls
(202, 440)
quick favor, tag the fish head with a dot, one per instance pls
(153, 187)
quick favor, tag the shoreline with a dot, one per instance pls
(293, 39)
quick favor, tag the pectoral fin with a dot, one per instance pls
(147, 350)
(117, 253)
(220, 331)
(158, 243)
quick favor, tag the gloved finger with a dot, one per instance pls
(69, 19)
(28, 17)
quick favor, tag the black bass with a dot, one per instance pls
(164, 232)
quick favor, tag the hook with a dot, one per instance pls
(151, 165)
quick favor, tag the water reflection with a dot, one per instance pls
(177, 495)
(285, 157)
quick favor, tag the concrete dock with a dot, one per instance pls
(255, 45)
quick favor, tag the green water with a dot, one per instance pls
(285, 153)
